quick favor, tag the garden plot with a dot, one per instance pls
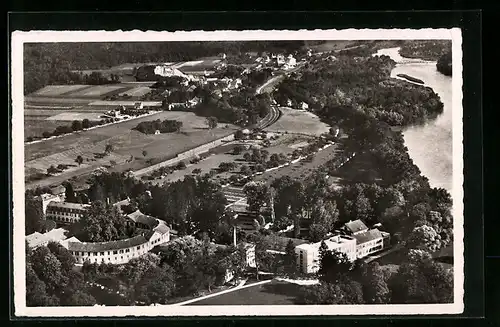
(300, 122)
(53, 90)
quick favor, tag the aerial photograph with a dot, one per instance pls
(226, 173)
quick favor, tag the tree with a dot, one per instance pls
(49, 269)
(156, 285)
(86, 123)
(69, 193)
(425, 238)
(144, 153)
(52, 170)
(290, 259)
(211, 122)
(63, 255)
(81, 299)
(245, 170)
(423, 281)
(76, 125)
(103, 223)
(33, 214)
(79, 160)
(375, 289)
(324, 215)
(108, 149)
(333, 265)
(257, 195)
(346, 291)
(36, 294)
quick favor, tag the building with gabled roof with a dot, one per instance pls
(355, 227)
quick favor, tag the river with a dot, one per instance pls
(429, 145)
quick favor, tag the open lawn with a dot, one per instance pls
(300, 122)
(127, 143)
(273, 293)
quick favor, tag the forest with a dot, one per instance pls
(52, 63)
(429, 50)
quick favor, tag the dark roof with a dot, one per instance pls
(367, 236)
(356, 226)
(107, 246)
(162, 229)
(141, 218)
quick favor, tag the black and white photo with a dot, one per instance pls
(237, 173)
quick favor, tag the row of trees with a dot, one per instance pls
(165, 126)
(76, 125)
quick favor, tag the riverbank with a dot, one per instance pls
(429, 144)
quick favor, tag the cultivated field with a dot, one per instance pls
(97, 91)
(52, 90)
(300, 122)
(127, 143)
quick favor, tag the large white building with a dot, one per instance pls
(65, 212)
(356, 241)
(122, 251)
(308, 254)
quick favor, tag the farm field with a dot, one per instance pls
(299, 122)
(52, 90)
(273, 293)
(127, 144)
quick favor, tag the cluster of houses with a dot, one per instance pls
(278, 60)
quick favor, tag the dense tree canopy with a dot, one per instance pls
(51, 280)
(103, 223)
